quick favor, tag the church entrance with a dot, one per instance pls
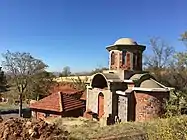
(100, 105)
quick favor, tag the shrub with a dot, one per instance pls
(173, 128)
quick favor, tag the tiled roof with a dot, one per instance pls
(70, 103)
(68, 89)
(58, 102)
(71, 91)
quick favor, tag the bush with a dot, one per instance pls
(174, 128)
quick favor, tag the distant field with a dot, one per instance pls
(70, 78)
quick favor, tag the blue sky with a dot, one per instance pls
(75, 33)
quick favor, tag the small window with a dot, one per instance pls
(128, 61)
(139, 60)
(128, 58)
(112, 58)
(135, 60)
(123, 56)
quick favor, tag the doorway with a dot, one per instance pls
(122, 108)
(100, 105)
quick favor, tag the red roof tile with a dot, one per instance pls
(71, 91)
(58, 102)
(68, 89)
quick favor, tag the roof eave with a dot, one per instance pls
(151, 89)
(44, 109)
(128, 81)
(116, 47)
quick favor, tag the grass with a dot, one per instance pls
(81, 128)
(8, 106)
(173, 128)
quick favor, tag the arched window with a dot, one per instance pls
(135, 60)
(112, 58)
(128, 60)
(139, 61)
(123, 56)
(99, 81)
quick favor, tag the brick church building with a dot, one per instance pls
(125, 92)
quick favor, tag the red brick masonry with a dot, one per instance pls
(149, 105)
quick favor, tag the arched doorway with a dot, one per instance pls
(100, 105)
(99, 81)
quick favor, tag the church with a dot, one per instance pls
(125, 92)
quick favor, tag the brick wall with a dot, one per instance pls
(149, 105)
(74, 113)
(118, 60)
(114, 56)
(41, 114)
(133, 61)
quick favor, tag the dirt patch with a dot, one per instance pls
(21, 129)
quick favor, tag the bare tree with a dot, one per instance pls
(183, 37)
(22, 67)
(170, 73)
(176, 77)
(159, 59)
(162, 52)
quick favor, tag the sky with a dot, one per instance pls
(75, 33)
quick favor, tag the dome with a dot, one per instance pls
(125, 41)
(149, 84)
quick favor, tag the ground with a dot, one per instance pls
(173, 128)
(24, 129)
(81, 128)
(8, 116)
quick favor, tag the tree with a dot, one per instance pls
(3, 81)
(22, 67)
(160, 59)
(175, 76)
(162, 52)
(183, 37)
(40, 85)
(65, 72)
